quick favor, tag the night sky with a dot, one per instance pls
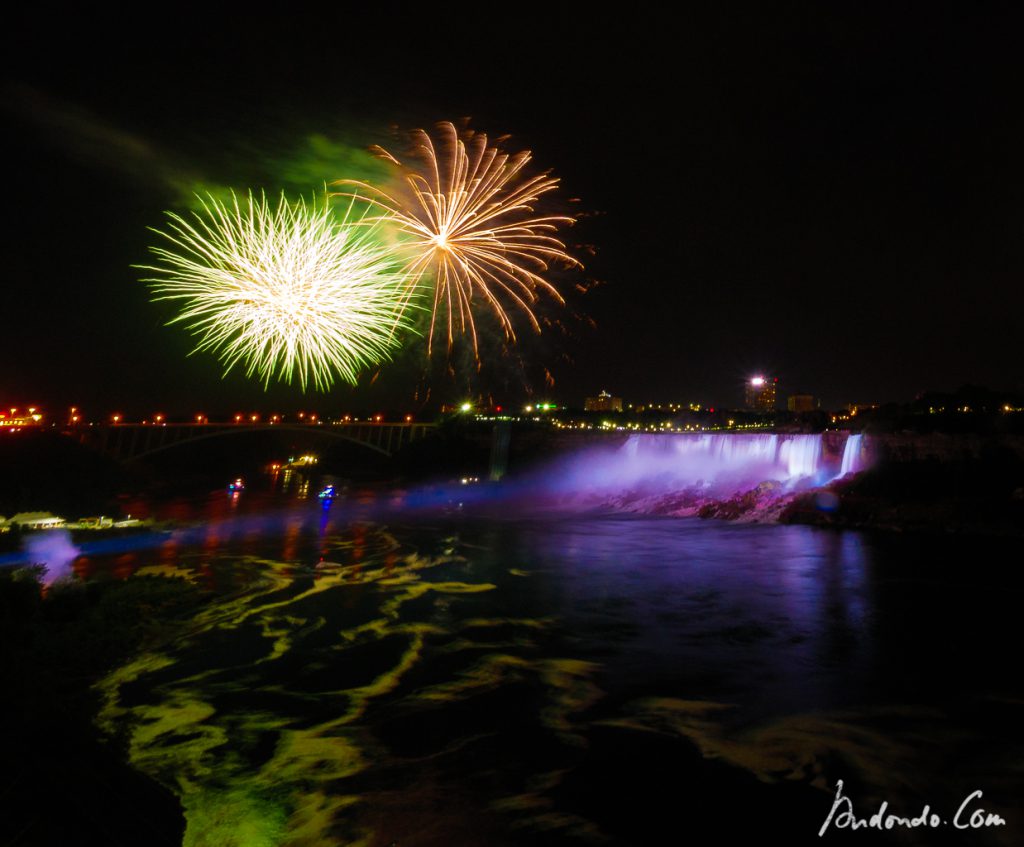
(832, 197)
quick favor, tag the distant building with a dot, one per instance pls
(36, 520)
(801, 403)
(98, 522)
(603, 402)
(760, 393)
(452, 408)
(17, 420)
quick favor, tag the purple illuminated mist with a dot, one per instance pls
(683, 473)
(54, 549)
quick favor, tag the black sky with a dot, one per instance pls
(833, 195)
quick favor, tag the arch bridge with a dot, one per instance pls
(129, 442)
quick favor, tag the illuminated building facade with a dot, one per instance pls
(760, 393)
(801, 403)
(603, 402)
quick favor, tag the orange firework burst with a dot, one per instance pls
(466, 212)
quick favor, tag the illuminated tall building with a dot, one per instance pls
(760, 393)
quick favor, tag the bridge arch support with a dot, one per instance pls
(132, 442)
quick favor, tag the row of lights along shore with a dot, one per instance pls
(16, 419)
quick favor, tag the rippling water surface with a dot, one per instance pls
(359, 677)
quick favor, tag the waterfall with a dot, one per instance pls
(802, 454)
(718, 463)
(688, 473)
(853, 458)
(737, 456)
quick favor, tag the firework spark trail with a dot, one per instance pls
(467, 215)
(286, 290)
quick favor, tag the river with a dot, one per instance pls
(366, 673)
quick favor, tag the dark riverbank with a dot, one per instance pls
(967, 494)
(61, 784)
